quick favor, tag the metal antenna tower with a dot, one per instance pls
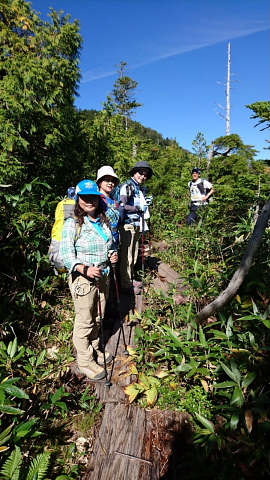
(228, 95)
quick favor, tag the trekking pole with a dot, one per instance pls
(107, 381)
(142, 245)
(149, 200)
(126, 352)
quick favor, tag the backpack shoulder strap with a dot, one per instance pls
(201, 187)
(78, 228)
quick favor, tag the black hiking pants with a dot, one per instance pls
(193, 216)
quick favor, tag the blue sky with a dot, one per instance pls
(177, 52)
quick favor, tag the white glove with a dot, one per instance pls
(149, 200)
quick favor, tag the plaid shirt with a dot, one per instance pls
(88, 248)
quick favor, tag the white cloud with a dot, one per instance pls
(191, 39)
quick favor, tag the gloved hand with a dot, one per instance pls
(149, 200)
(143, 209)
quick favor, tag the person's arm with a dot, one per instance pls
(124, 201)
(67, 246)
(211, 191)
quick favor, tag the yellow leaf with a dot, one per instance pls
(133, 369)
(151, 396)
(249, 420)
(124, 374)
(161, 374)
(131, 351)
(132, 391)
(137, 313)
(134, 316)
(144, 380)
(43, 304)
(173, 385)
(153, 380)
(3, 449)
(238, 350)
(205, 385)
(238, 298)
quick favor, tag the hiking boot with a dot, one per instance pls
(100, 357)
(93, 371)
(137, 284)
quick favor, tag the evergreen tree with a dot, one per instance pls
(123, 92)
(200, 146)
(39, 77)
(239, 181)
(262, 111)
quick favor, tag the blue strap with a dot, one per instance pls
(99, 228)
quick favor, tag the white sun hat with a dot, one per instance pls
(106, 170)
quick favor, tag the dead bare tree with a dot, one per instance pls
(243, 268)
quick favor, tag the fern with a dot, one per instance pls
(38, 467)
(11, 467)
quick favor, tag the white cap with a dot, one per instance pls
(107, 170)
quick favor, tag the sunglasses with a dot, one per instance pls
(109, 179)
(143, 173)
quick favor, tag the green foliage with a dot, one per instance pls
(25, 228)
(216, 373)
(200, 147)
(123, 94)
(56, 403)
(39, 79)
(261, 110)
(12, 468)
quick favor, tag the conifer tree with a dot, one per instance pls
(123, 92)
(200, 147)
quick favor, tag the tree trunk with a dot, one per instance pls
(243, 268)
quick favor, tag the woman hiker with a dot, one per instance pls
(107, 181)
(85, 250)
(133, 211)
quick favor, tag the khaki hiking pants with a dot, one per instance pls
(129, 247)
(86, 330)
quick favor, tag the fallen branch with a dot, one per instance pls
(243, 268)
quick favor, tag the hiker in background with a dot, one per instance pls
(133, 211)
(200, 193)
(86, 256)
(107, 181)
(64, 210)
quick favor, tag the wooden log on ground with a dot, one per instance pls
(138, 444)
(134, 443)
(164, 276)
